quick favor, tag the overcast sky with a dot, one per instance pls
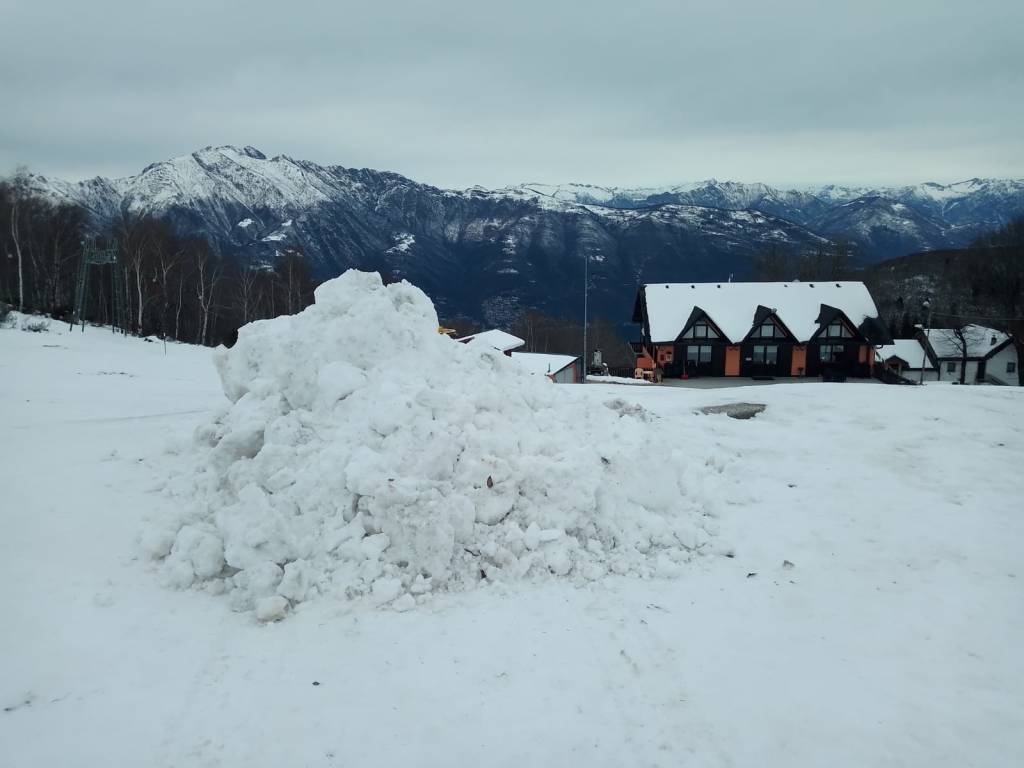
(631, 92)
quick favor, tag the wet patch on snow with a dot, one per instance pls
(735, 410)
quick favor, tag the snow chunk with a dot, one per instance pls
(404, 603)
(271, 608)
(364, 456)
(385, 590)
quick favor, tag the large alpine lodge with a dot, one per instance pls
(758, 329)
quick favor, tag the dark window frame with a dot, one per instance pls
(832, 351)
(702, 356)
(760, 354)
(841, 330)
(702, 329)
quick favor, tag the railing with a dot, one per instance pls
(623, 371)
(889, 376)
(990, 379)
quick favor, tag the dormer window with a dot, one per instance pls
(700, 330)
(838, 330)
(768, 330)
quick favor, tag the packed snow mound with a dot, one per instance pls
(366, 456)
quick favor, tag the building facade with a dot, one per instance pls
(908, 359)
(759, 329)
(561, 369)
(980, 354)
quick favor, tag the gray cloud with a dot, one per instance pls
(458, 93)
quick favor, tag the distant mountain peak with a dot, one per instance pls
(231, 149)
(492, 253)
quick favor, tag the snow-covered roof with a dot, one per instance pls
(499, 340)
(980, 341)
(731, 306)
(537, 362)
(909, 351)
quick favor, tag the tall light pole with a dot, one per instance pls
(586, 288)
(927, 306)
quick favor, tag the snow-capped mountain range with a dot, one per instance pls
(489, 253)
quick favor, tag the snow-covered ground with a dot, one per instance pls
(872, 612)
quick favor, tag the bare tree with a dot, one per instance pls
(962, 338)
(169, 258)
(134, 235)
(208, 274)
(557, 335)
(19, 192)
(179, 303)
(773, 264)
(1016, 330)
(294, 277)
(246, 293)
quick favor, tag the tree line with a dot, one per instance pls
(777, 263)
(550, 334)
(169, 285)
(983, 284)
(993, 273)
(179, 287)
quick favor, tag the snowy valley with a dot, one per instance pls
(836, 581)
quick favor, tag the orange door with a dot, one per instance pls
(732, 361)
(799, 367)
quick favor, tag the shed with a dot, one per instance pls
(905, 357)
(496, 339)
(561, 369)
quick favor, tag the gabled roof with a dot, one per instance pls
(537, 362)
(733, 306)
(499, 340)
(910, 351)
(981, 342)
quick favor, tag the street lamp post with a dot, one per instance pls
(927, 306)
(586, 288)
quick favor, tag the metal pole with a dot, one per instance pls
(586, 288)
(927, 339)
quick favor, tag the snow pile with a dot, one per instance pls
(11, 318)
(366, 456)
(596, 379)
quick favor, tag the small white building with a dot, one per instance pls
(499, 340)
(990, 355)
(561, 369)
(907, 358)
